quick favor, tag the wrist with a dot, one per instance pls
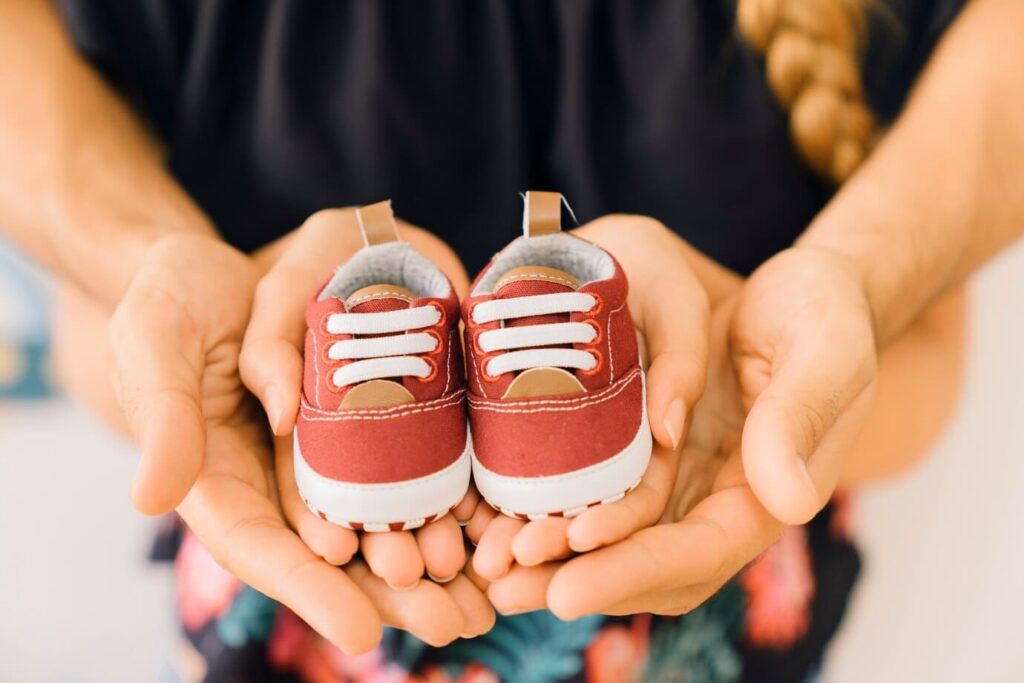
(900, 263)
(98, 245)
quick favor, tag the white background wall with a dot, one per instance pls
(942, 597)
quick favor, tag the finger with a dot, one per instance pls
(442, 549)
(643, 506)
(672, 602)
(670, 307)
(334, 543)
(394, 557)
(427, 611)
(675, 320)
(541, 540)
(478, 523)
(726, 530)
(493, 556)
(271, 360)
(801, 423)
(159, 360)
(523, 589)
(477, 612)
(245, 534)
(480, 582)
(463, 512)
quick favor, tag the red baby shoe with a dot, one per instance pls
(381, 441)
(557, 400)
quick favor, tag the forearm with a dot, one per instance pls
(82, 184)
(945, 189)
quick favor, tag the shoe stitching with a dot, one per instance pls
(476, 371)
(316, 366)
(379, 411)
(448, 364)
(325, 416)
(555, 401)
(378, 295)
(608, 338)
(545, 278)
(556, 405)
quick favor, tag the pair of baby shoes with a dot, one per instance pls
(547, 412)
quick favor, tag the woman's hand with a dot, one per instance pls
(176, 338)
(272, 367)
(669, 306)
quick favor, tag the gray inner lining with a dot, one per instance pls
(581, 259)
(391, 263)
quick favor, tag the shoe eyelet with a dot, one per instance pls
(487, 377)
(599, 338)
(599, 356)
(433, 371)
(598, 307)
(440, 343)
(444, 314)
(325, 354)
(323, 324)
(332, 386)
(475, 341)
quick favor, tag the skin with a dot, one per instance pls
(774, 404)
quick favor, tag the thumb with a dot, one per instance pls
(159, 359)
(809, 413)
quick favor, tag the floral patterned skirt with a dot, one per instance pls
(770, 623)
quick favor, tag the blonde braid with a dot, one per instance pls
(811, 49)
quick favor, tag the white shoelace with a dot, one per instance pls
(546, 334)
(381, 357)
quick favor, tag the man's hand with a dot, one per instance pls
(791, 374)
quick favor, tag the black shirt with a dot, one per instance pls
(272, 110)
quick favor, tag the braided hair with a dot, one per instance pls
(811, 53)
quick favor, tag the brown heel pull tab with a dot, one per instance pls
(542, 213)
(377, 223)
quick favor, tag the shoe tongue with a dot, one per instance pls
(379, 298)
(378, 392)
(531, 281)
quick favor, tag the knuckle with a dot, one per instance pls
(814, 421)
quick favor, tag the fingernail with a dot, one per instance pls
(462, 523)
(801, 468)
(586, 547)
(444, 580)
(468, 636)
(675, 416)
(273, 405)
(402, 589)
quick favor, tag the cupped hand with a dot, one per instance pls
(272, 367)
(176, 337)
(791, 375)
(669, 306)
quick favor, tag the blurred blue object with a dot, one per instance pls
(25, 303)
